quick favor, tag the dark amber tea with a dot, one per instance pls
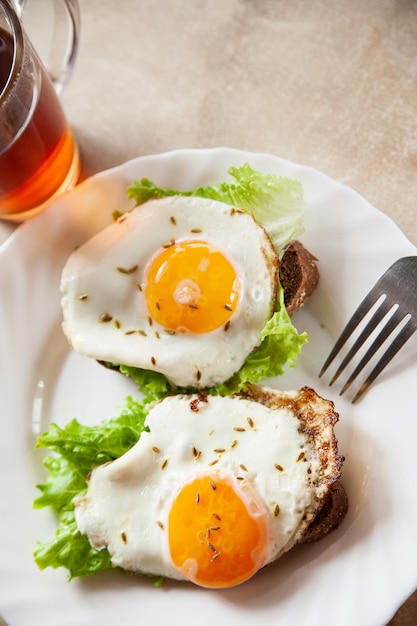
(38, 155)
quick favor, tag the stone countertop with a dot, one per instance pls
(321, 83)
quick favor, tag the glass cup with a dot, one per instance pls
(39, 158)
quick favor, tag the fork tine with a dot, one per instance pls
(385, 332)
(397, 286)
(377, 317)
(398, 342)
(364, 307)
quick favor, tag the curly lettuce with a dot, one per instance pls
(77, 449)
(276, 202)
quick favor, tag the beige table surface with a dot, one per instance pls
(327, 83)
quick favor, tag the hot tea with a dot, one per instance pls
(42, 158)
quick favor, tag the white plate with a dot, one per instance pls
(358, 575)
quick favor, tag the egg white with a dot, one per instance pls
(105, 315)
(128, 501)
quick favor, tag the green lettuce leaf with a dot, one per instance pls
(77, 450)
(276, 202)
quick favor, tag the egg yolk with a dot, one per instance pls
(191, 286)
(217, 538)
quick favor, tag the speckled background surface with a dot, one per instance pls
(326, 83)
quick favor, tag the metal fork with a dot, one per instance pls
(396, 295)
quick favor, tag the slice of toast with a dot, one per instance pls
(299, 276)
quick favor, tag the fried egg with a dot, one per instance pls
(217, 488)
(179, 285)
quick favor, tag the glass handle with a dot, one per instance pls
(54, 28)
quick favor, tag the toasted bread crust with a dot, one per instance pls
(317, 418)
(330, 516)
(299, 276)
